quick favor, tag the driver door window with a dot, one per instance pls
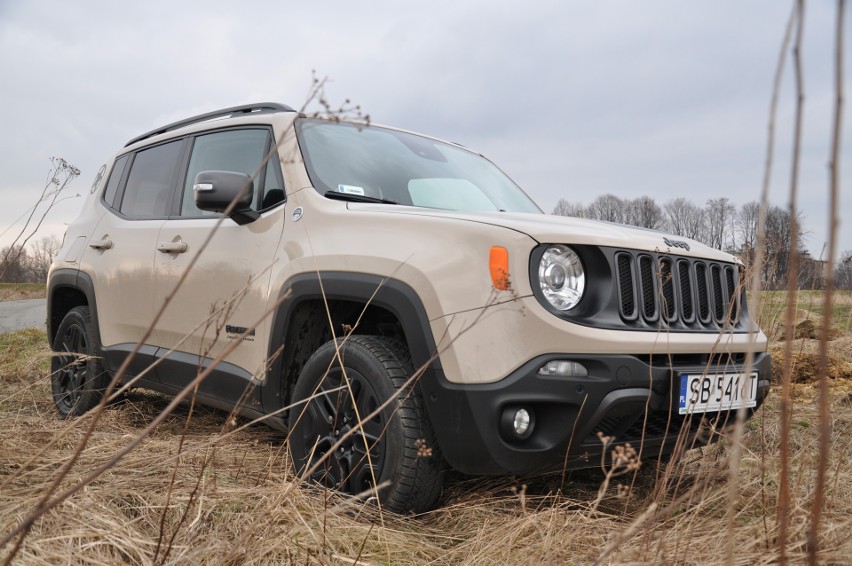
(241, 151)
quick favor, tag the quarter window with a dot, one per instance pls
(114, 180)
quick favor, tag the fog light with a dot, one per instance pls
(522, 422)
(517, 423)
(564, 368)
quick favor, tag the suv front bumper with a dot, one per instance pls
(628, 398)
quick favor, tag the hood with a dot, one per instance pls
(550, 229)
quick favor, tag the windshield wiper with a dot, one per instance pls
(357, 198)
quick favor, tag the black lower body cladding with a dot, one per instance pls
(624, 397)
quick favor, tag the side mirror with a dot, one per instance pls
(214, 191)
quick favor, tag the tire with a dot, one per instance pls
(77, 376)
(402, 451)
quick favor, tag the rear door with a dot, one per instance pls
(219, 291)
(120, 254)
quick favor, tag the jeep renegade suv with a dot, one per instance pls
(393, 301)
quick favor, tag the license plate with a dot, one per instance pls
(719, 392)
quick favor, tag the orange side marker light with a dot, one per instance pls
(498, 262)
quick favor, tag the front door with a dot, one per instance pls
(218, 293)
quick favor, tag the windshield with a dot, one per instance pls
(369, 161)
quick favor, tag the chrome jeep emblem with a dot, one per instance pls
(676, 244)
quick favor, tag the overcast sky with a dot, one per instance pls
(572, 99)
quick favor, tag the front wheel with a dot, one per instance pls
(394, 448)
(77, 377)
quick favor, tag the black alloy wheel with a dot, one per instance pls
(388, 449)
(77, 376)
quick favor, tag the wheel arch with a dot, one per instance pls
(301, 323)
(66, 289)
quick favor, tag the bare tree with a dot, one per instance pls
(41, 256)
(13, 264)
(843, 271)
(746, 225)
(645, 213)
(683, 218)
(608, 208)
(567, 208)
(719, 215)
(778, 239)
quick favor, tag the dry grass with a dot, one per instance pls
(18, 291)
(231, 501)
(809, 309)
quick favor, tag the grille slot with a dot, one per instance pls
(718, 293)
(685, 291)
(667, 281)
(733, 295)
(649, 299)
(703, 297)
(677, 292)
(626, 288)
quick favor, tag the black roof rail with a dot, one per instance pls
(232, 112)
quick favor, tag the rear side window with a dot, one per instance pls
(150, 185)
(114, 180)
(241, 151)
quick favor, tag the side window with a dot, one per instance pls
(114, 180)
(241, 151)
(150, 184)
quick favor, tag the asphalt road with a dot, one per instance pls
(17, 315)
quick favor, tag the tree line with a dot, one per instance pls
(28, 264)
(719, 224)
(722, 225)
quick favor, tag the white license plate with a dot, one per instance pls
(719, 392)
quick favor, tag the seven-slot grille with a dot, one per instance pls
(669, 291)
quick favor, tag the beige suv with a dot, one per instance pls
(395, 302)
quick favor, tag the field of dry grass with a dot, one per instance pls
(230, 497)
(18, 291)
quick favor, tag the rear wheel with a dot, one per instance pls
(77, 376)
(394, 449)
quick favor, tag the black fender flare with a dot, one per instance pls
(70, 279)
(391, 294)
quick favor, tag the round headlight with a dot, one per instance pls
(561, 276)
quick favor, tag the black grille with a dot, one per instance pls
(677, 292)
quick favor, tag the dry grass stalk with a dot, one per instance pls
(792, 289)
(825, 397)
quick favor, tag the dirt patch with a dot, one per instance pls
(805, 367)
(810, 329)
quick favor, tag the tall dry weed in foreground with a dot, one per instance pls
(825, 420)
(59, 176)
